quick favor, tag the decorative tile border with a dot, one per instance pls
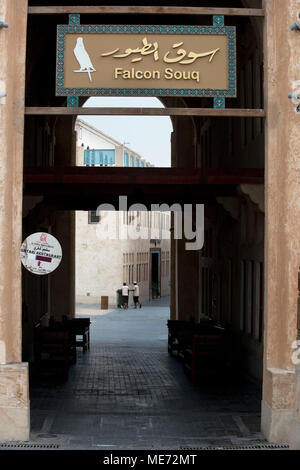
(230, 31)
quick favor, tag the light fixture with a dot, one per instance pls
(295, 27)
(295, 96)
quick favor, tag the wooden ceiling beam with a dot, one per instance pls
(144, 10)
(229, 112)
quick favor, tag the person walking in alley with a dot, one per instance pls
(125, 294)
(136, 294)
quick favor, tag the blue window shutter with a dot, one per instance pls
(99, 157)
(92, 157)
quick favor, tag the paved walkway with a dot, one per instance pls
(128, 393)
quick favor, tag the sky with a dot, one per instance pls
(149, 136)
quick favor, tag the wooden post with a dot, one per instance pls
(282, 242)
(14, 396)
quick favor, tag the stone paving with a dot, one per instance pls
(127, 392)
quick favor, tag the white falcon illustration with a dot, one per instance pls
(83, 58)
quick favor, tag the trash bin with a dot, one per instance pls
(104, 302)
(119, 298)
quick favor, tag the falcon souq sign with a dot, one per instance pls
(133, 60)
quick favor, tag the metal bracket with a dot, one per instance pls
(218, 20)
(3, 24)
(74, 18)
(73, 102)
(295, 26)
(295, 96)
(219, 102)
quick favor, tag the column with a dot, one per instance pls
(185, 283)
(62, 280)
(173, 260)
(14, 396)
(282, 244)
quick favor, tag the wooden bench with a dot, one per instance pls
(206, 355)
(181, 333)
(178, 332)
(79, 327)
(201, 346)
(53, 350)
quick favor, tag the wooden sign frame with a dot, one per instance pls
(229, 31)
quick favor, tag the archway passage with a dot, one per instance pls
(114, 243)
(218, 161)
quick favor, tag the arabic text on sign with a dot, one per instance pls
(148, 48)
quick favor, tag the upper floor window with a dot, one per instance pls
(93, 217)
(99, 157)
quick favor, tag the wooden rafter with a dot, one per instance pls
(233, 112)
(146, 10)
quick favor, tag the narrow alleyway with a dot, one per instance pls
(128, 393)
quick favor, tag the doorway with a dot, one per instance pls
(155, 274)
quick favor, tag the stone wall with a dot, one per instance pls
(14, 398)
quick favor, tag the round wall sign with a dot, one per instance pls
(41, 253)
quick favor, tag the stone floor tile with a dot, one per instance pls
(126, 392)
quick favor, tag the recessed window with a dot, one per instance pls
(93, 217)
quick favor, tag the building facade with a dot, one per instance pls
(251, 263)
(104, 258)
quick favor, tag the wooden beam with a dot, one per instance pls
(84, 188)
(227, 112)
(145, 10)
(141, 176)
